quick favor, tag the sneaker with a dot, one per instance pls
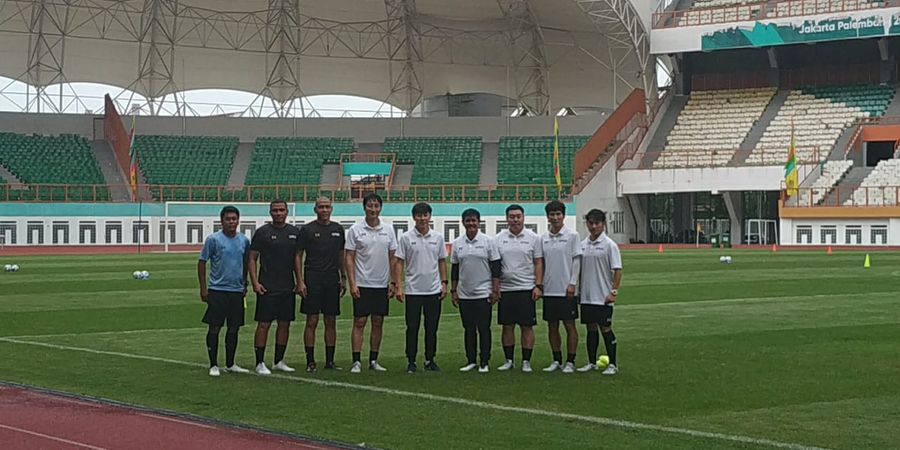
(410, 368)
(588, 367)
(262, 369)
(214, 371)
(509, 364)
(331, 366)
(484, 369)
(431, 366)
(283, 367)
(553, 367)
(311, 368)
(236, 369)
(526, 366)
(610, 370)
(373, 365)
(356, 367)
(468, 367)
(568, 368)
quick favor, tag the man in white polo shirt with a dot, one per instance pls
(368, 253)
(475, 278)
(520, 285)
(561, 248)
(424, 254)
(601, 274)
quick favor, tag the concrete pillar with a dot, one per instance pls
(682, 219)
(638, 225)
(734, 202)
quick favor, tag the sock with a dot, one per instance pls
(231, 340)
(310, 355)
(508, 351)
(329, 354)
(356, 356)
(279, 353)
(260, 354)
(212, 348)
(610, 340)
(557, 356)
(593, 342)
(526, 354)
(373, 356)
(570, 358)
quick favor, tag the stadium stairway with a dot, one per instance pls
(115, 179)
(10, 179)
(666, 124)
(330, 175)
(490, 155)
(370, 147)
(843, 190)
(840, 146)
(403, 175)
(240, 166)
(893, 108)
(756, 132)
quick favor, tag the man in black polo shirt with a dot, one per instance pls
(323, 282)
(275, 246)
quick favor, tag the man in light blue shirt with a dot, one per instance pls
(226, 251)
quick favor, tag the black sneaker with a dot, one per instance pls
(431, 366)
(331, 366)
(311, 368)
(411, 368)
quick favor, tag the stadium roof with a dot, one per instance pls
(542, 53)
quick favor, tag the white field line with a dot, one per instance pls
(392, 318)
(52, 438)
(625, 424)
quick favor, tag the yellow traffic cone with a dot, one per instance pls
(866, 264)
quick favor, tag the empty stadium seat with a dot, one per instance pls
(439, 160)
(832, 172)
(202, 161)
(293, 161)
(64, 159)
(529, 159)
(880, 188)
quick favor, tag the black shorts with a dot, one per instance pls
(599, 314)
(516, 308)
(275, 306)
(371, 302)
(323, 295)
(560, 308)
(224, 306)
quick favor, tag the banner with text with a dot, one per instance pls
(767, 33)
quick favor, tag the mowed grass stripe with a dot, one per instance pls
(469, 403)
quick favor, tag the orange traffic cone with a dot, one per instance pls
(829, 250)
(774, 248)
(660, 249)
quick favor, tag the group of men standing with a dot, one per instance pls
(319, 262)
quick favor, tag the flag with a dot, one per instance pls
(556, 156)
(790, 167)
(132, 170)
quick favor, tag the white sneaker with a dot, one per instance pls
(236, 369)
(356, 367)
(610, 370)
(214, 371)
(484, 369)
(509, 364)
(262, 369)
(373, 365)
(588, 367)
(526, 366)
(283, 367)
(552, 367)
(468, 367)
(568, 368)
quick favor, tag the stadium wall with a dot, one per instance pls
(116, 224)
(362, 130)
(840, 232)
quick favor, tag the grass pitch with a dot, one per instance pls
(788, 349)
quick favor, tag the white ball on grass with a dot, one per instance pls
(15, 267)
(145, 275)
(8, 267)
(136, 274)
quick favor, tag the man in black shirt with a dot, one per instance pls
(323, 282)
(275, 246)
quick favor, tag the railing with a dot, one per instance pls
(693, 159)
(605, 135)
(762, 10)
(290, 193)
(843, 196)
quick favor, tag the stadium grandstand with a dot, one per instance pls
(679, 122)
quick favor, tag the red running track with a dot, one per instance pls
(36, 420)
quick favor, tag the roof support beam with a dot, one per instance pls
(282, 36)
(156, 55)
(404, 48)
(533, 90)
(46, 54)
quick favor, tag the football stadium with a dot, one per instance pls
(745, 155)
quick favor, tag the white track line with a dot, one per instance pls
(52, 438)
(183, 422)
(461, 401)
